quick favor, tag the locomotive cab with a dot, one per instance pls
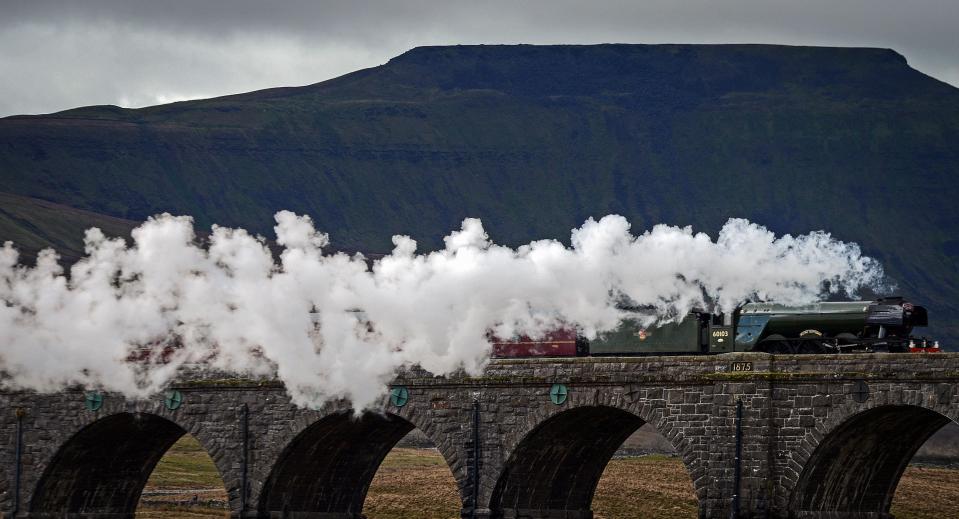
(721, 336)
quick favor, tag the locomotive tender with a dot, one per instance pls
(824, 327)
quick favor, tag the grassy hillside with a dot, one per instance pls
(37, 224)
(536, 139)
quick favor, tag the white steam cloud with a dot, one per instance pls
(330, 326)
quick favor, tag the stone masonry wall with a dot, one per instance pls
(802, 417)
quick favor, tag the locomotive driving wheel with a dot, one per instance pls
(811, 341)
(777, 344)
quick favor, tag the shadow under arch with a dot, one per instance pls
(855, 469)
(554, 469)
(102, 469)
(326, 470)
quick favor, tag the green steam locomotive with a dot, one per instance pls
(884, 325)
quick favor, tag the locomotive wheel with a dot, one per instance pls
(847, 338)
(777, 344)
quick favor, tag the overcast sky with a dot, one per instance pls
(58, 55)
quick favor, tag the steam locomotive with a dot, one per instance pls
(884, 325)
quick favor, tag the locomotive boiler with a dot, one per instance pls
(883, 325)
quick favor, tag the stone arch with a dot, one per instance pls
(852, 462)
(101, 469)
(326, 468)
(553, 468)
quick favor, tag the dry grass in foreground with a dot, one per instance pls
(416, 484)
(927, 493)
(650, 487)
(413, 483)
(184, 474)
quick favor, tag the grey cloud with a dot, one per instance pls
(58, 55)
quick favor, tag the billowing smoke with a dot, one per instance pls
(331, 326)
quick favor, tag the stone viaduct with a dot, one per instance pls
(821, 436)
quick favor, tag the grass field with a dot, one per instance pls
(416, 484)
(184, 475)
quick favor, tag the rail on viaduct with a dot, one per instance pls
(821, 436)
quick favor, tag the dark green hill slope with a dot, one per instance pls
(33, 225)
(535, 139)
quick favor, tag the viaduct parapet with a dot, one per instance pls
(819, 436)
